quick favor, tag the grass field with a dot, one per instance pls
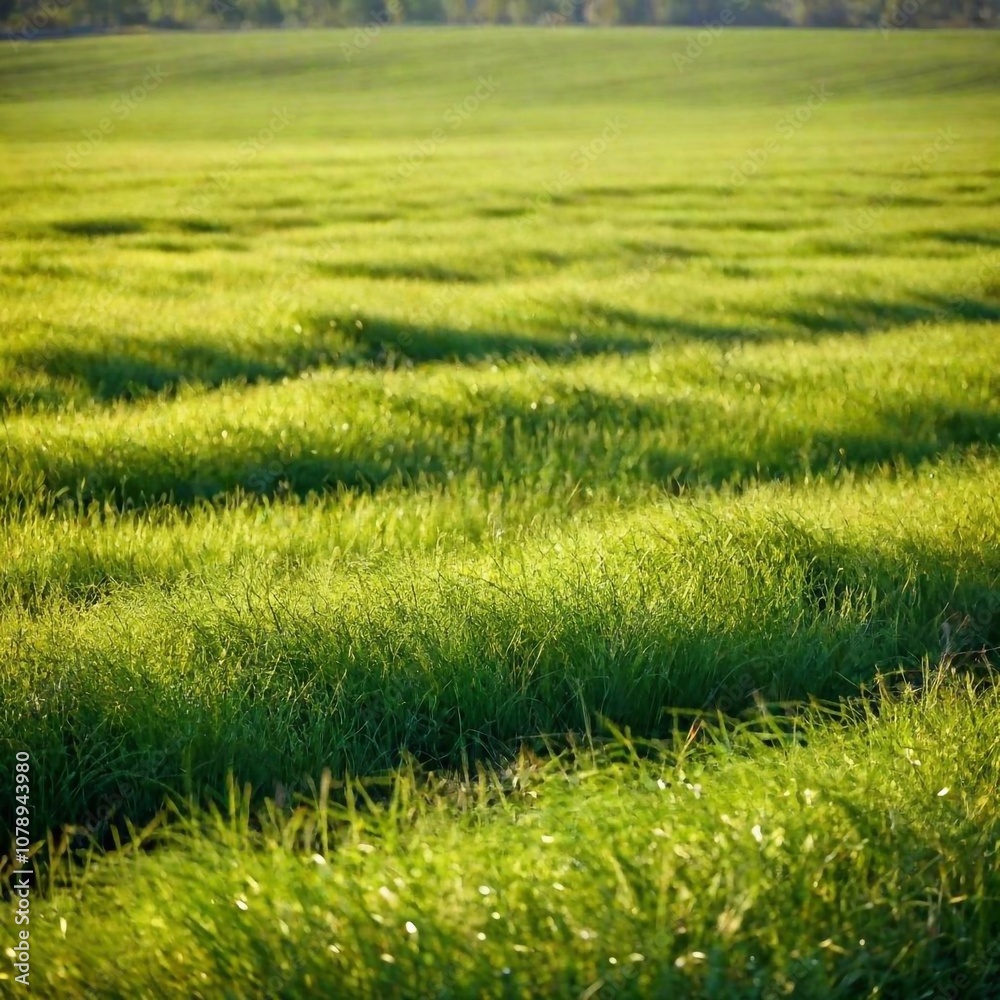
(502, 513)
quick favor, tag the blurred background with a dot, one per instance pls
(29, 17)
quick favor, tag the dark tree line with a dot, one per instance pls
(35, 18)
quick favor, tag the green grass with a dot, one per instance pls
(307, 465)
(860, 863)
(137, 686)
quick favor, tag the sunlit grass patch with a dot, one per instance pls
(744, 868)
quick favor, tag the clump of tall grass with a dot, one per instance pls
(831, 856)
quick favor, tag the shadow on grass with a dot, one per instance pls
(463, 669)
(108, 227)
(496, 268)
(628, 192)
(115, 367)
(981, 238)
(89, 362)
(654, 249)
(414, 271)
(902, 441)
(421, 444)
(816, 316)
(905, 201)
(854, 315)
(96, 228)
(170, 246)
(598, 315)
(748, 225)
(384, 342)
(581, 436)
(350, 214)
(200, 226)
(502, 211)
(129, 368)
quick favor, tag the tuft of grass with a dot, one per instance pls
(857, 856)
(179, 673)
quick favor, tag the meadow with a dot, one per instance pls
(502, 513)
